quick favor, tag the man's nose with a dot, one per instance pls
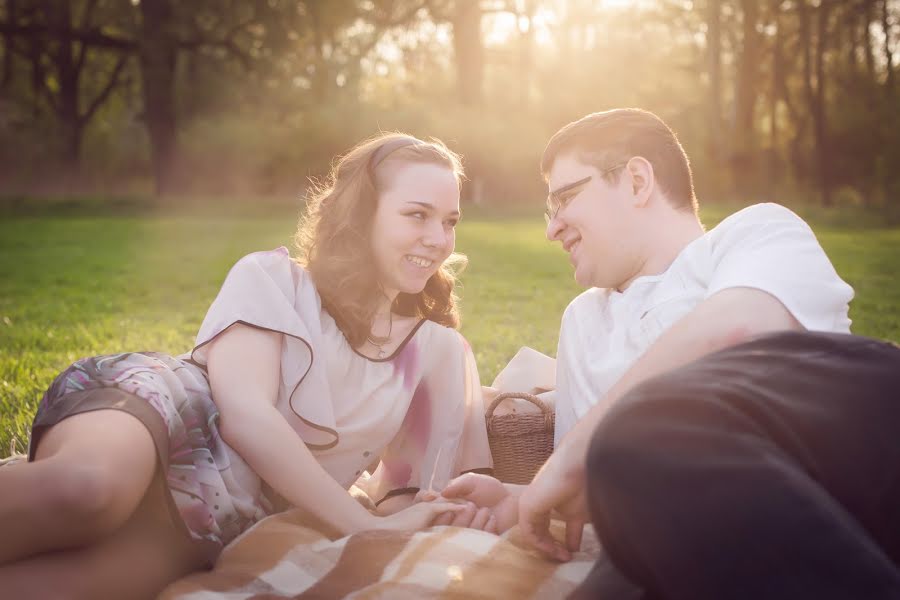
(555, 227)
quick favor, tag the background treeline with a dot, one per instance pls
(791, 100)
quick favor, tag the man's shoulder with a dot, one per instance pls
(591, 300)
(766, 212)
(754, 221)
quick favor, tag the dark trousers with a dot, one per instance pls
(767, 471)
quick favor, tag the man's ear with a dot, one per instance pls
(643, 180)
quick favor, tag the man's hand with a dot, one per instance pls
(486, 493)
(559, 486)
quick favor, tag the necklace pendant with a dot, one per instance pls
(381, 353)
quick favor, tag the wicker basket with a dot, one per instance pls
(520, 442)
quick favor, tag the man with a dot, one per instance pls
(709, 468)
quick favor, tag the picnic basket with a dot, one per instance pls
(520, 442)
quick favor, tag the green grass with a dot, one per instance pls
(80, 286)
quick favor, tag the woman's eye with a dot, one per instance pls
(451, 223)
(417, 215)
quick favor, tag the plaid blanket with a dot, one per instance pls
(282, 557)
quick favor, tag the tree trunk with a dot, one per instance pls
(850, 39)
(526, 52)
(823, 151)
(67, 110)
(35, 55)
(716, 149)
(888, 55)
(868, 17)
(777, 73)
(743, 138)
(12, 18)
(158, 52)
(321, 81)
(469, 52)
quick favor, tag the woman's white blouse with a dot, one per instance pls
(419, 411)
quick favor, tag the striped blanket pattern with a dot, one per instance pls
(281, 557)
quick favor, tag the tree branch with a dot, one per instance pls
(403, 18)
(103, 95)
(438, 13)
(85, 22)
(90, 37)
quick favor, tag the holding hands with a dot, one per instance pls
(420, 515)
(470, 514)
(558, 489)
(499, 500)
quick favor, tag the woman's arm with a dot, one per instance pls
(244, 371)
(395, 504)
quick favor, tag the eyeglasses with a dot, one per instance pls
(559, 198)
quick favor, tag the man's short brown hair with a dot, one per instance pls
(605, 138)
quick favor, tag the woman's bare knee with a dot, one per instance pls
(89, 496)
(96, 467)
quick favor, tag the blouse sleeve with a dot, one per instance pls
(443, 434)
(267, 290)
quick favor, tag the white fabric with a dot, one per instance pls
(419, 410)
(765, 246)
(529, 371)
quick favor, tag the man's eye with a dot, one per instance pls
(451, 222)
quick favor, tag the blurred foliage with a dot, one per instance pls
(773, 99)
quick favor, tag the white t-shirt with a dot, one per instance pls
(765, 246)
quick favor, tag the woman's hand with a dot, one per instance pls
(418, 516)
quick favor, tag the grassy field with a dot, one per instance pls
(79, 286)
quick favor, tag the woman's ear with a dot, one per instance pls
(642, 177)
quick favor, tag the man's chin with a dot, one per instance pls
(583, 279)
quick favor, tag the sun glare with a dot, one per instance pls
(617, 3)
(500, 27)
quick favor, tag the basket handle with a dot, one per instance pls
(548, 414)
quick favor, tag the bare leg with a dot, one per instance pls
(90, 473)
(137, 561)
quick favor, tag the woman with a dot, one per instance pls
(143, 466)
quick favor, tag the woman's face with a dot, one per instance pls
(414, 227)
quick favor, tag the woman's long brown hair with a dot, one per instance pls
(333, 239)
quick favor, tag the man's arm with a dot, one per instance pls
(729, 317)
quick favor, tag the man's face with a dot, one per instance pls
(596, 222)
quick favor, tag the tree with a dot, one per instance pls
(59, 65)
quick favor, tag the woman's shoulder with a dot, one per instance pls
(276, 264)
(277, 258)
(441, 337)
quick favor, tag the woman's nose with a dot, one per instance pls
(435, 236)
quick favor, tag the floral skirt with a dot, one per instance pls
(172, 398)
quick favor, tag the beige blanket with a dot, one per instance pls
(280, 557)
(283, 556)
